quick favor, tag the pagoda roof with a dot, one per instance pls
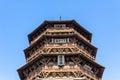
(44, 24)
(43, 55)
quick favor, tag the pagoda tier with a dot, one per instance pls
(60, 50)
(51, 44)
(75, 66)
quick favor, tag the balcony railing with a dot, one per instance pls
(61, 78)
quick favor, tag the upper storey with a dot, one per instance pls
(59, 26)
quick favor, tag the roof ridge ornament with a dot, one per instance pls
(60, 18)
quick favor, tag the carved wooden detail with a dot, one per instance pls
(48, 43)
(66, 31)
(60, 49)
(47, 66)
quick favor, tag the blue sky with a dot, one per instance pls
(19, 17)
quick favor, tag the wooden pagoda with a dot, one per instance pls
(60, 50)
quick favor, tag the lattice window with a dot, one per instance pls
(61, 60)
(60, 40)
